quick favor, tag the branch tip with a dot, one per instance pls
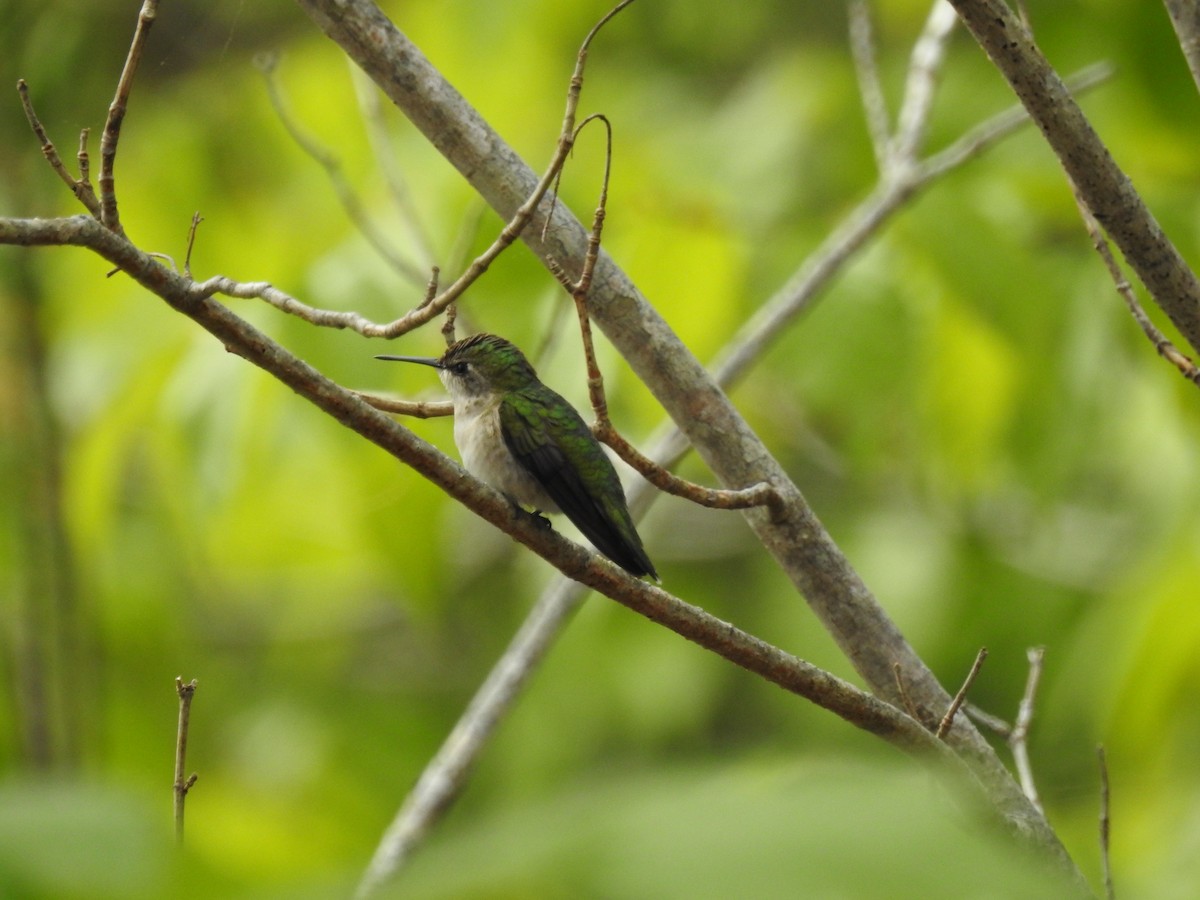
(948, 719)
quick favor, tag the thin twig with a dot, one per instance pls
(448, 334)
(85, 164)
(905, 700)
(182, 785)
(466, 235)
(81, 187)
(431, 285)
(1019, 739)
(566, 141)
(894, 152)
(456, 261)
(948, 718)
(116, 116)
(1017, 734)
(191, 242)
(862, 50)
(1105, 862)
(1162, 345)
(579, 289)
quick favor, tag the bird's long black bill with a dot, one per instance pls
(423, 360)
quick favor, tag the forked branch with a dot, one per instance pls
(81, 187)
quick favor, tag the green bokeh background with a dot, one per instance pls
(970, 410)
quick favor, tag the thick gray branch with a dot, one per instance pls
(1098, 179)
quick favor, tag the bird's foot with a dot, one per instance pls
(536, 515)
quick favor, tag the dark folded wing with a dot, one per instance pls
(542, 439)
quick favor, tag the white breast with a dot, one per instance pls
(486, 456)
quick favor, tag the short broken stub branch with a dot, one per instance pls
(186, 691)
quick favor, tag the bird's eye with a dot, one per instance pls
(459, 368)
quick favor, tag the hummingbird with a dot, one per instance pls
(530, 444)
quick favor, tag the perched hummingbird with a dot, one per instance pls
(530, 444)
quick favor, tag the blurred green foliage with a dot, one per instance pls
(970, 409)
